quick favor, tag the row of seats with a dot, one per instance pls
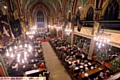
(77, 63)
(35, 61)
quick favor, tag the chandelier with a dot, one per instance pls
(68, 29)
(101, 41)
(20, 52)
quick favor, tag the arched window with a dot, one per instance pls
(40, 19)
(90, 14)
(112, 11)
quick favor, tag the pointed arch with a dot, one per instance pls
(90, 14)
(112, 11)
(86, 9)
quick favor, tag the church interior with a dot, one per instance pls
(59, 39)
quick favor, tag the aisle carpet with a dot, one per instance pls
(57, 71)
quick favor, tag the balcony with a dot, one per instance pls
(105, 24)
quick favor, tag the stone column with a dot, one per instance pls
(63, 29)
(91, 50)
(72, 27)
(63, 32)
(96, 18)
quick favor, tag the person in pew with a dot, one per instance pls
(91, 67)
(78, 56)
(77, 64)
(15, 66)
(36, 54)
(76, 72)
(35, 66)
(83, 56)
(74, 58)
(98, 78)
(72, 65)
(86, 69)
(24, 68)
(42, 66)
(46, 74)
(101, 74)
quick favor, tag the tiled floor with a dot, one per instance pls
(57, 70)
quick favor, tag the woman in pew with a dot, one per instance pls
(42, 66)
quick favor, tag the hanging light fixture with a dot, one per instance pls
(25, 45)
(68, 29)
(18, 50)
(7, 54)
(20, 46)
(12, 55)
(101, 41)
(10, 49)
(15, 47)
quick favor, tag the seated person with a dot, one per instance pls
(72, 65)
(24, 68)
(46, 74)
(86, 68)
(15, 66)
(42, 66)
(77, 64)
(35, 66)
(91, 67)
(32, 61)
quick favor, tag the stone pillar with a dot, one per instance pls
(91, 50)
(63, 32)
(96, 18)
(72, 27)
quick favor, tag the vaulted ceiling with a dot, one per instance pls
(47, 6)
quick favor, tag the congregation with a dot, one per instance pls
(34, 66)
(77, 63)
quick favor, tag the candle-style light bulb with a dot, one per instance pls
(10, 49)
(20, 46)
(25, 45)
(12, 55)
(7, 54)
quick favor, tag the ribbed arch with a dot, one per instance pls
(112, 11)
(90, 14)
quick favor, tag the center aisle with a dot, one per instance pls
(57, 70)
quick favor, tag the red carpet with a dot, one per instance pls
(44, 40)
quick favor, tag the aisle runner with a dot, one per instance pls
(57, 71)
(44, 40)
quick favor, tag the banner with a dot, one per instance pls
(79, 25)
(23, 26)
(95, 28)
(5, 31)
(16, 28)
